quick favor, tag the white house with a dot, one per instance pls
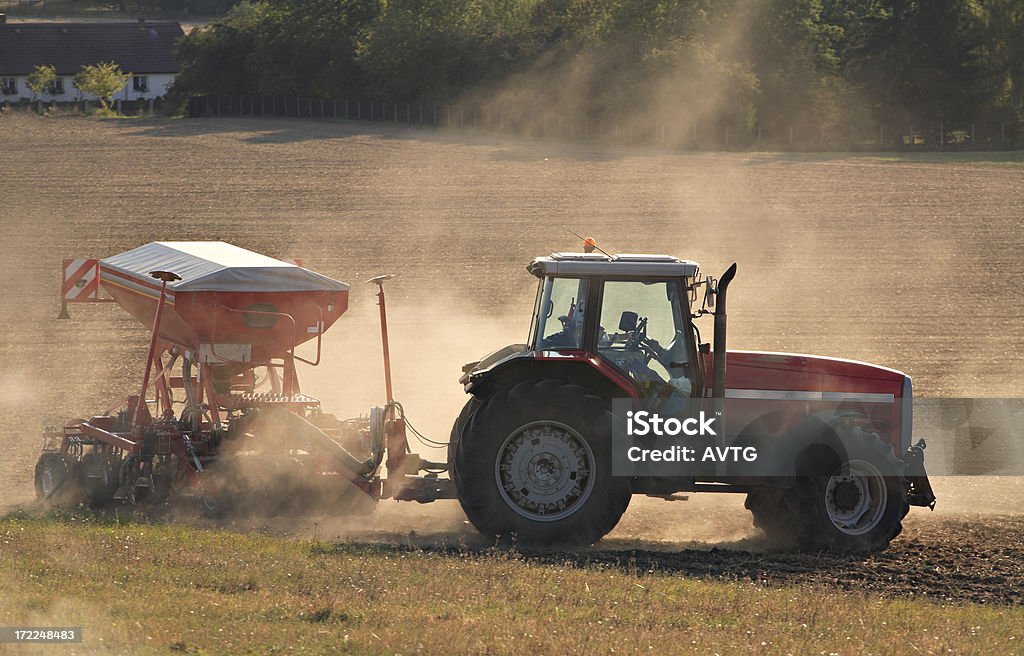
(143, 48)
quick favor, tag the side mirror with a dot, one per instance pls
(627, 322)
(709, 292)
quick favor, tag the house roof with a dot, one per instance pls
(139, 47)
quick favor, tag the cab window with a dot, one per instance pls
(560, 312)
(642, 331)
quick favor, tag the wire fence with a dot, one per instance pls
(144, 107)
(913, 135)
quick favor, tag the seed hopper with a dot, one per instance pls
(219, 413)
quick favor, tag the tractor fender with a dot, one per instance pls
(813, 445)
(582, 369)
(490, 360)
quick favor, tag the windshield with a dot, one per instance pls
(558, 322)
(642, 331)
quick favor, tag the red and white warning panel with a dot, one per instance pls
(81, 281)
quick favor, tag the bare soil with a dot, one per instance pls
(913, 263)
(947, 561)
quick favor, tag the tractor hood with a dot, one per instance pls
(809, 375)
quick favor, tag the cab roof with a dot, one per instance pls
(599, 264)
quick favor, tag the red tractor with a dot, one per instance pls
(219, 414)
(532, 452)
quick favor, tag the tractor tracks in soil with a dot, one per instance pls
(949, 561)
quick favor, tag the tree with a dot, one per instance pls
(40, 78)
(101, 80)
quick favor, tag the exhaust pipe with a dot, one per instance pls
(718, 371)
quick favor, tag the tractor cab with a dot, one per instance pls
(631, 311)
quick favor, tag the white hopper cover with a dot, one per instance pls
(216, 266)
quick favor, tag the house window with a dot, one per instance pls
(9, 85)
(140, 83)
(56, 87)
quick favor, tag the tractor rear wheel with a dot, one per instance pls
(859, 506)
(533, 466)
(460, 425)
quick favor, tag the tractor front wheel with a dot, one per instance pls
(533, 466)
(858, 506)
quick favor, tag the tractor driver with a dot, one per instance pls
(571, 334)
(668, 397)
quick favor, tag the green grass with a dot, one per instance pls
(153, 588)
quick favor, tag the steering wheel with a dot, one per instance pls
(637, 340)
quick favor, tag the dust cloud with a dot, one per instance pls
(891, 262)
(674, 98)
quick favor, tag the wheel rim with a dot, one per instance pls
(545, 471)
(856, 497)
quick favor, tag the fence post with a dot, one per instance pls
(911, 135)
(727, 136)
(942, 134)
(791, 136)
(973, 143)
(460, 116)
(881, 136)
